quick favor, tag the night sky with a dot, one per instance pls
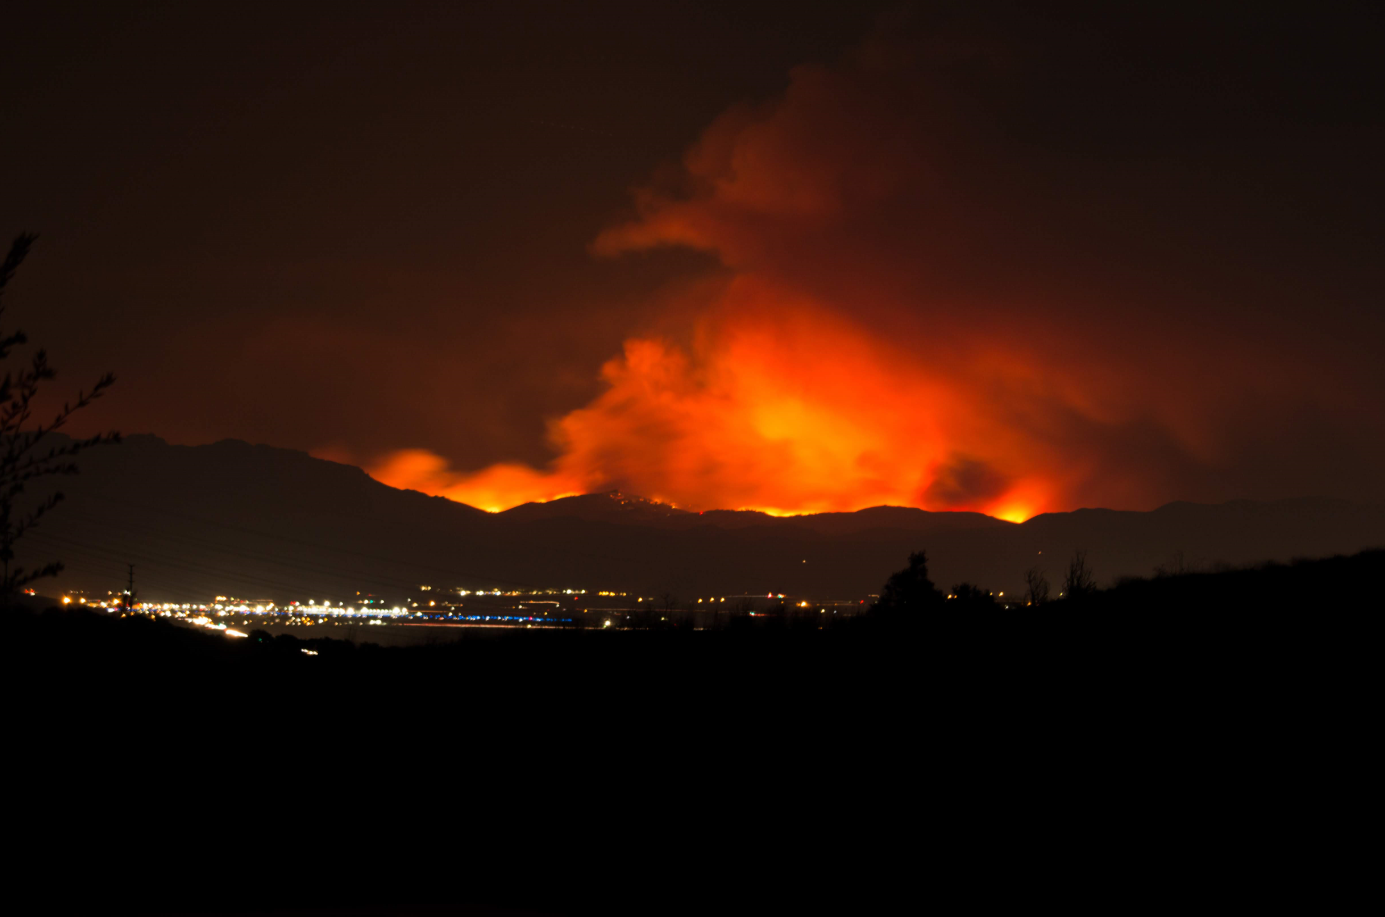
(788, 256)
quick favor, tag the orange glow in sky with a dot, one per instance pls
(781, 407)
(853, 348)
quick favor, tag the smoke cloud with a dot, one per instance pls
(919, 302)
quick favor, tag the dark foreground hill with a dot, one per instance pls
(261, 522)
(595, 772)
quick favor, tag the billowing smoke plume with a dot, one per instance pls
(914, 308)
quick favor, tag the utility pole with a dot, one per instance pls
(130, 591)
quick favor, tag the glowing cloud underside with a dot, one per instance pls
(791, 411)
(841, 359)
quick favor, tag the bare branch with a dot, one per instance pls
(21, 459)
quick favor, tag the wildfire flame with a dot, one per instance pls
(869, 343)
(791, 410)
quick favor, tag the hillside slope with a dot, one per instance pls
(262, 522)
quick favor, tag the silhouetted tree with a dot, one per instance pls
(909, 593)
(1080, 581)
(23, 457)
(1035, 586)
(1177, 566)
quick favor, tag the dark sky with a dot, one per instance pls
(287, 222)
(359, 228)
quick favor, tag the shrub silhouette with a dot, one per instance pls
(909, 594)
(1080, 581)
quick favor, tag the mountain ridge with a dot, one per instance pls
(232, 516)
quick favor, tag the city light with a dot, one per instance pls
(514, 608)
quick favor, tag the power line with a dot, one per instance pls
(361, 576)
(374, 522)
(319, 546)
(156, 559)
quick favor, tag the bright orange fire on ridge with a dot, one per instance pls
(786, 409)
(868, 340)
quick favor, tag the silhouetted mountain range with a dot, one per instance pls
(263, 522)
